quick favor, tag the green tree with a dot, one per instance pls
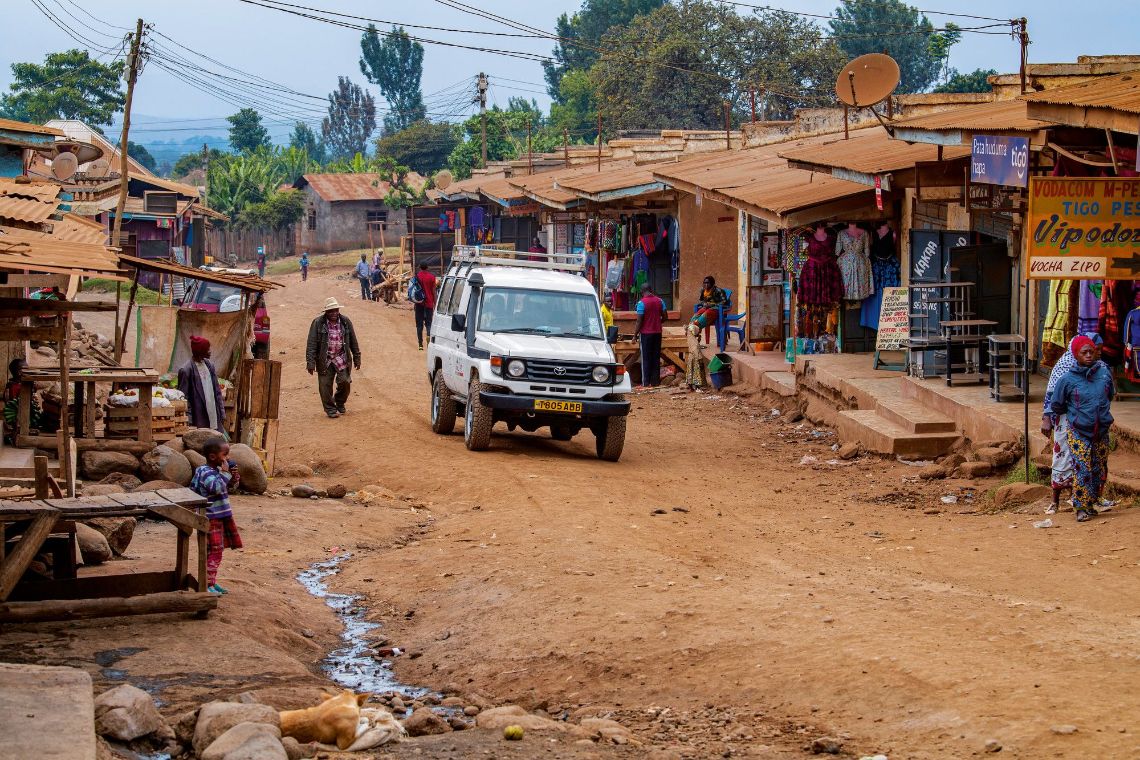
(581, 34)
(423, 146)
(973, 81)
(141, 154)
(295, 162)
(304, 138)
(351, 120)
(234, 182)
(188, 162)
(277, 212)
(402, 191)
(506, 136)
(575, 109)
(395, 64)
(246, 132)
(69, 85)
(901, 31)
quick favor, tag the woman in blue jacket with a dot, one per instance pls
(1085, 396)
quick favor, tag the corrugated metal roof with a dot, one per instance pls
(597, 185)
(759, 180)
(21, 250)
(244, 282)
(20, 188)
(544, 187)
(366, 186)
(501, 190)
(1117, 93)
(1002, 116)
(23, 126)
(872, 152)
(28, 202)
(168, 184)
(74, 229)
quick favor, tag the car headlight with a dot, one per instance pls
(515, 368)
(601, 374)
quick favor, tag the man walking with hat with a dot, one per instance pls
(332, 344)
(198, 380)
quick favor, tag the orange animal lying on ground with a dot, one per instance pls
(334, 721)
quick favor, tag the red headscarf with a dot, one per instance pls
(199, 345)
(1080, 342)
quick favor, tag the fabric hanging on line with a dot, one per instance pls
(1054, 334)
(886, 272)
(1116, 301)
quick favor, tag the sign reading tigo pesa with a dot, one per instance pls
(1084, 228)
(997, 160)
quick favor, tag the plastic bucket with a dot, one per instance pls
(721, 379)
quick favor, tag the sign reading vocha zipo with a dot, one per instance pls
(1082, 228)
(997, 160)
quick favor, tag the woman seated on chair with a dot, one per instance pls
(709, 303)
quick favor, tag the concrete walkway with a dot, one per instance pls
(46, 713)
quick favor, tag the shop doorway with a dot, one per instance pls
(991, 269)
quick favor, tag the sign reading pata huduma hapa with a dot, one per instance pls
(998, 160)
(1084, 228)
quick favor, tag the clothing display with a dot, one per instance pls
(886, 272)
(1116, 301)
(821, 282)
(1088, 306)
(852, 249)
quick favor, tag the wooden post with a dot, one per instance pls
(64, 348)
(41, 469)
(727, 124)
(752, 93)
(124, 166)
(599, 139)
(120, 340)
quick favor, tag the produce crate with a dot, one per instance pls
(167, 422)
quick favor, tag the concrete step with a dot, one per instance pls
(880, 435)
(46, 712)
(915, 416)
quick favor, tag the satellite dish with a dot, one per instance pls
(443, 179)
(84, 152)
(867, 80)
(64, 165)
(99, 168)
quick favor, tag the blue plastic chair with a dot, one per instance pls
(725, 323)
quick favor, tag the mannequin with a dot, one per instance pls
(885, 273)
(852, 247)
(821, 283)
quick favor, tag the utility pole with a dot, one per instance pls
(727, 134)
(752, 93)
(1023, 38)
(599, 139)
(529, 151)
(483, 112)
(133, 62)
(565, 146)
(763, 104)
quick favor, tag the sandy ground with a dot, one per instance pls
(709, 591)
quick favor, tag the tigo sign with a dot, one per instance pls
(999, 161)
(1084, 228)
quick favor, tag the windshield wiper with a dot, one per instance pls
(523, 331)
(590, 336)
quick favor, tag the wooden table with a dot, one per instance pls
(83, 422)
(89, 596)
(673, 349)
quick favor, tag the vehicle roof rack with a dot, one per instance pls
(472, 255)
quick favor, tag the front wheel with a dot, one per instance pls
(610, 438)
(477, 421)
(443, 407)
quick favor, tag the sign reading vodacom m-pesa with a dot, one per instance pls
(1084, 228)
(999, 160)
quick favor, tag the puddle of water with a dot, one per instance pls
(354, 665)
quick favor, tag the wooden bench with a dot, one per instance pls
(103, 595)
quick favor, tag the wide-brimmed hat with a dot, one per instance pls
(331, 304)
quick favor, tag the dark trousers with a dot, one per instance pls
(423, 322)
(343, 379)
(651, 358)
(365, 288)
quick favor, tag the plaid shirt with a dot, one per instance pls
(337, 355)
(209, 482)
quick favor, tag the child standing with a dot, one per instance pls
(214, 481)
(304, 266)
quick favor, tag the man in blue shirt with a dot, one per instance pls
(364, 274)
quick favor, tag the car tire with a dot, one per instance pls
(444, 410)
(477, 421)
(562, 432)
(610, 438)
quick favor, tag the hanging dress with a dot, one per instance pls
(821, 283)
(853, 252)
(886, 273)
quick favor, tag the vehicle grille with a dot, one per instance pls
(558, 372)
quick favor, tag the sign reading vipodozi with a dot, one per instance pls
(1082, 228)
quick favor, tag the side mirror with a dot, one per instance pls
(458, 322)
(612, 334)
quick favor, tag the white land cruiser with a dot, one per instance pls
(522, 342)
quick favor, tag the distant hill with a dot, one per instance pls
(168, 138)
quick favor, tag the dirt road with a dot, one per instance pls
(713, 590)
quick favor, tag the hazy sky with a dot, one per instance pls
(307, 56)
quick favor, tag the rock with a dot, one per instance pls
(452, 702)
(295, 471)
(471, 711)
(156, 485)
(184, 726)
(215, 718)
(303, 491)
(117, 530)
(252, 472)
(849, 450)
(102, 489)
(259, 747)
(952, 461)
(992, 745)
(297, 751)
(195, 438)
(457, 723)
(96, 465)
(125, 713)
(826, 745)
(93, 545)
(933, 472)
(195, 459)
(175, 444)
(1021, 493)
(973, 470)
(609, 730)
(126, 480)
(237, 736)
(1064, 730)
(46, 351)
(164, 463)
(995, 456)
(498, 718)
(336, 492)
(246, 698)
(424, 722)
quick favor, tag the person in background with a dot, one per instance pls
(1084, 394)
(364, 273)
(198, 379)
(377, 274)
(304, 266)
(261, 264)
(709, 303)
(608, 311)
(12, 402)
(332, 344)
(650, 320)
(536, 246)
(423, 297)
(214, 480)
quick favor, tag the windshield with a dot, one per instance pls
(211, 294)
(540, 312)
